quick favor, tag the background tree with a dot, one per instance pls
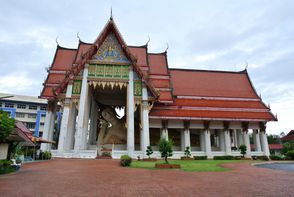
(165, 148)
(6, 125)
(149, 151)
(288, 146)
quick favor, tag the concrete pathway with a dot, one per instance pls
(73, 177)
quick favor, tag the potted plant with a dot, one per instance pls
(243, 149)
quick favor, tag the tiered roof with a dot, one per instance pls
(179, 93)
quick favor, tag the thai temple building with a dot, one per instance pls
(212, 112)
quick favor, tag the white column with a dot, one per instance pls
(93, 120)
(65, 120)
(130, 114)
(207, 143)
(187, 138)
(222, 141)
(145, 136)
(264, 143)
(81, 132)
(256, 140)
(202, 141)
(164, 133)
(49, 125)
(235, 138)
(247, 143)
(71, 127)
(183, 140)
(227, 142)
(240, 138)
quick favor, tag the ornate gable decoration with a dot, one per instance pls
(110, 51)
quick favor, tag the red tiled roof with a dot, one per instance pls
(211, 115)
(188, 93)
(288, 137)
(63, 59)
(212, 83)
(158, 64)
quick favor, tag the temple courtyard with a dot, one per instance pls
(75, 177)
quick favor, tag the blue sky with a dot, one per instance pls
(217, 35)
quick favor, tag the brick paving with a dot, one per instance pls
(73, 177)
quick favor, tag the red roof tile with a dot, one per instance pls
(212, 84)
(63, 59)
(140, 54)
(212, 115)
(158, 64)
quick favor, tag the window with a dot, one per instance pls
(32, 115)
(0, 104)
(33, 107)
(9, 105)
(31, 125)
(21, 106)
(20, 115)
(40, 134)
(42, 123)
(43, 115)
(44, 108)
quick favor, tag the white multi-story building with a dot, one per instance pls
(27, 109)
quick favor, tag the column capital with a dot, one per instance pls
(206, 124)
(187, 124)
(245, 126)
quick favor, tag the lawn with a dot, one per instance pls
(189, 165)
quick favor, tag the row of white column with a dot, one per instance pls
(260, 141)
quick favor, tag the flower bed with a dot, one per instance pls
(167, 166)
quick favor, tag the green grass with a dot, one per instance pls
(189, 165)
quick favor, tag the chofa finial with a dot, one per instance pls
(166, 47)
(148, 40)
(56, 40)
(78, 36)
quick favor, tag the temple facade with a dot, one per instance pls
(122, 99)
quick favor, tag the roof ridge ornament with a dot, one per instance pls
(111, 17)
(148, 41)
(167, 46)
(78, 36)
(56, 40)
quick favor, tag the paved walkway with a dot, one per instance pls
(106, 178)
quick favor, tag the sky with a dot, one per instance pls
(216, 35)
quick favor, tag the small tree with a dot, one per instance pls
(6, 125)
(165, 148)
(243, 149)
(187, 152)
(149, 151)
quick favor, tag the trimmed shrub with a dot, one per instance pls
(5, 166)
(187, 152)
(243, 149)
(226, 157)
(290, 154)
(276, 157)
(125, 160)
(200, 157)
(149, 151)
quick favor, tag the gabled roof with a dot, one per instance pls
(110, 27)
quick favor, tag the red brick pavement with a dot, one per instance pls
(75, 177)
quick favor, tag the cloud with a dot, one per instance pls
(218, 35)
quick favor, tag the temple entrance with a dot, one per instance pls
(107, 122)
